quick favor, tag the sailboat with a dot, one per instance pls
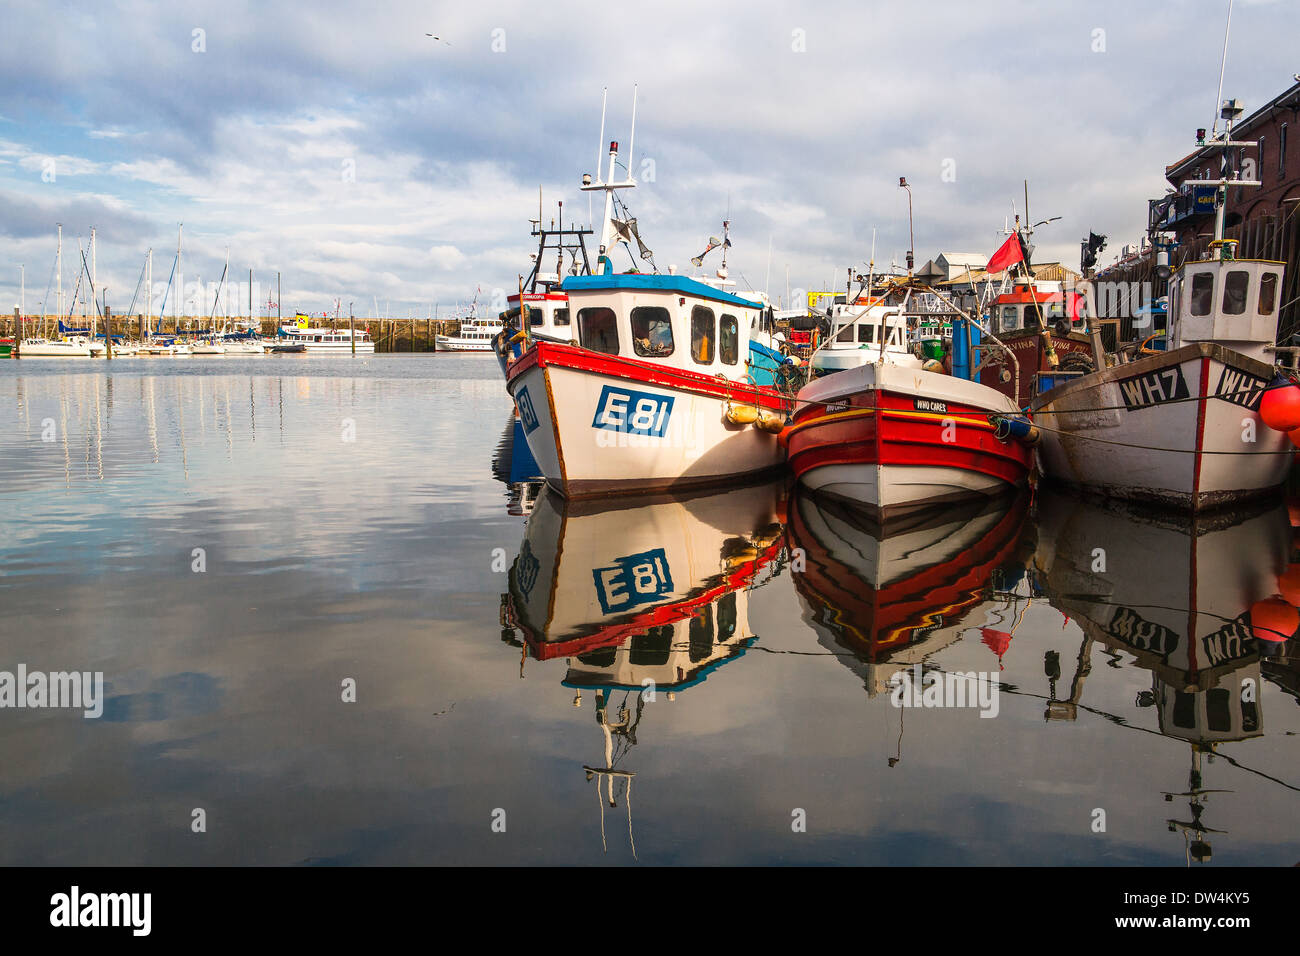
(1185, 427)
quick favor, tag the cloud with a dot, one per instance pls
(296, 134)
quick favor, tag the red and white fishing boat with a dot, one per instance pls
(899, 432)
(1190, 426)
(656, 394)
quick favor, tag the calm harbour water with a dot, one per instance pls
(352, 528)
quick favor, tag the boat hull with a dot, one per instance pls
(446, 343)
(600, 424)
(893, 439)
(1178, 428)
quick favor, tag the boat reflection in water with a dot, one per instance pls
(1177, 593)
(643, 597)
(894, 594)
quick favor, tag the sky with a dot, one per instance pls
(373, 166)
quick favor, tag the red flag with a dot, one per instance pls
(1010, 253)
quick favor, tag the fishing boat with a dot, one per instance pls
(655, 394)
(1045, 329)
(6, 347)
(901, 432)
(895, 593)
(475, 335)
(1188, 427)
(1193, 600)
(861, 333)
(630, 589)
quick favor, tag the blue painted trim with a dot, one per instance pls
(653, 283)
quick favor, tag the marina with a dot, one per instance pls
(709, 441)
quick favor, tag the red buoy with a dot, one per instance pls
(1273, 619)
(1279, 409)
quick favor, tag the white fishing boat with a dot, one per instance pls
(656, 394)
(475, 335)
(862, 333)
(76, 347)
(1183, 427)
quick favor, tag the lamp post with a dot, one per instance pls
(911, 238)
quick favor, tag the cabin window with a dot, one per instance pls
(653, 647)
(1202, 293)
(1234, 292)
(652, 331)
(1267, 293)
(700, 635)
(845, 334)
(703, 335)
(1218, 709)
(561, 317)
(727, 617)
(536, 317)
(598, 330)
(1010, 317)
(866, 332)
(729, 339)
(601, 657)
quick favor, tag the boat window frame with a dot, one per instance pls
(1017, 319)
(556, 319)
(665, 321)
(1200, 303)
(582, 328)
(1241, 296)
(1269, 278)
(725, 320)
(696, 339)
(866, 333)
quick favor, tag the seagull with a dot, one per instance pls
(448, 42)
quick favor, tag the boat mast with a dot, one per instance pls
(93, 284)
(58, 255)
(609, 234)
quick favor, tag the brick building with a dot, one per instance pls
(1275, 162)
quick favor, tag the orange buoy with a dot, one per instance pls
(1279, 409)
(1273, 619)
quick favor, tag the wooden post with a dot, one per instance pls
(352, 331)
(108, 333)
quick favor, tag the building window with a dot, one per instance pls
(1267, 293)
(561, 316)
(1261, 159)
(1234, 292)
(729, 339)
(702, 335)
(652, 332)
(598, 330)
(1202, 293)
(1281, 153)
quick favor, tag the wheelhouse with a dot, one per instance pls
(666, 319)
(1027, 307)
(1232, 301)
(548, 313)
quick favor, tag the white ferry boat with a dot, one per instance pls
(322, 340)
(476, 335)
